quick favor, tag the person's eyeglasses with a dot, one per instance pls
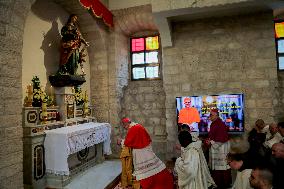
(187, 102)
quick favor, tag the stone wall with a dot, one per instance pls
(144, 103)
(222, 56)
(164, 5)
(12, 21)
(118, 79)
(280, 94)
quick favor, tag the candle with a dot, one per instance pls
(44, 112)
(51, 91)
(30, 91)
(30, 88)
(30, 95)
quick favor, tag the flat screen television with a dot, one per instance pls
(230, 106)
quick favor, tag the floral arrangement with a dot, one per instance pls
(79, 97)
(39, 95)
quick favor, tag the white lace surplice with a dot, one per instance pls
(217, 156)
(146, 163)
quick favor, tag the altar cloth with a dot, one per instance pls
(59, 143)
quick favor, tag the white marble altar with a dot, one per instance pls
(60, 143)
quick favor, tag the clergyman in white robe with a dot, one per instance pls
(242, 180)
(192, 169)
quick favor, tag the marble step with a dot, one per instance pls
(102, 176)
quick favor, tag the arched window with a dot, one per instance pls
(145, 58)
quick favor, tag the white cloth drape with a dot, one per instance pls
(59, 143)
(192, 169)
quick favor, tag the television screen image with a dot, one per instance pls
(193, 111)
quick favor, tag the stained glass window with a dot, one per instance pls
(279, 29)
(145, 57)
(138, 73)
(281, 63)
(279, 38)
(138, 58)
(280, 46)
(152, 72)
(152, 43)
(138, 44)
(152, 57)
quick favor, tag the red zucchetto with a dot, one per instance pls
(125, 120)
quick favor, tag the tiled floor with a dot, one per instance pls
(97, 177)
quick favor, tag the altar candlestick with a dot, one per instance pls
(85, 105)
(30, 94)
(51, 91)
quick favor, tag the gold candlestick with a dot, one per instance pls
(44, 111)
(52, 96)
(85, 105)
(30, 95)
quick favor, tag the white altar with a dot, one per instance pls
(60, 143)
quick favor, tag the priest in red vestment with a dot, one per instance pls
(219, 148)
(149, 170)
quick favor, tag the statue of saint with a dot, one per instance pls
(71, 52)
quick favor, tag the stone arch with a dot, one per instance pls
(130, 96)
(135, 19)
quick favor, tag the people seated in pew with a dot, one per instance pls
(149, 170)
(272, 136)
(280, 127)
(256, 138)
(261, 178)
(278, 165)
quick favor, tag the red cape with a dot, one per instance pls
(137, 137)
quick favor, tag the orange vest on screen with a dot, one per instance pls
(188, 115)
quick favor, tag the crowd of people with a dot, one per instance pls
(260, 167)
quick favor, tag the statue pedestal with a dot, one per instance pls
(66, 80)
(65, 99)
